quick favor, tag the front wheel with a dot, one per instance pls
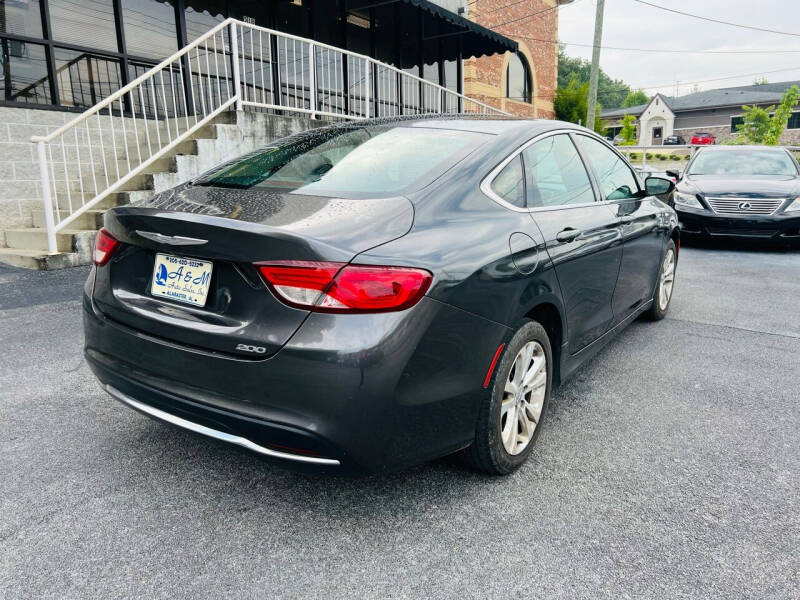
(511, 417)
(665, 285)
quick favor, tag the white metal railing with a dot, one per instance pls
(234, 66)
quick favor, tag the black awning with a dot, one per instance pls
(476, 40)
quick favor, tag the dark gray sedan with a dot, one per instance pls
(378, 294)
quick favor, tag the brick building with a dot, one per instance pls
(523, 84)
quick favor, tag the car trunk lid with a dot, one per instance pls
(233, 230)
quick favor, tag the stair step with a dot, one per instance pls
(91, 219)
(37, 259)
(35, 238)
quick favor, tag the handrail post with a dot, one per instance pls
(312, 78)
(368, 83)
(237, 85)
(52, 248)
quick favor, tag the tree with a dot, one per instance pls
(628, 131)
(610, 92)
(765, 125)
(781, 117)
(635, 98)
(755, 125)
(572, 102)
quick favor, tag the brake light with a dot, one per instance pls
(343, 288)
(104, 246)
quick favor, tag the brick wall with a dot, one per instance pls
(20, 191)
(484, 77)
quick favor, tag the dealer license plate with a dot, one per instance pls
(182, 279)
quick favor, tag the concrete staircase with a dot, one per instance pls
(230, 135)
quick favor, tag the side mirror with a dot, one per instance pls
(674, 173)
(658, 186)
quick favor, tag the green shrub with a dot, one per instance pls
(648, 155)
(674, 157)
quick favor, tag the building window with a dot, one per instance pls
(201, 16)
(23, 72)
(794, 122)
(518, 79)
(21, 17)
(84, 23)
(85, 78)
(149, 28)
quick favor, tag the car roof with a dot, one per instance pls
(489, 124)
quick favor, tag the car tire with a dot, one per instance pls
(490, 450)
(666, 280)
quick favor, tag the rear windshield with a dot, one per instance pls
(743, 162)
(359, 162)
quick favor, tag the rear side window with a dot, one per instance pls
(556, 175)
(615, 177)
(353, 162)
(509, 183)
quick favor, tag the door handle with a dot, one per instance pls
(568, 235)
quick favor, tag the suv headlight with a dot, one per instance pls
(689, 200)
(793, 206)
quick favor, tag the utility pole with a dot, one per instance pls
(595, 74)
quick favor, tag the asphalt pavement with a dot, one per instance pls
(669, 467)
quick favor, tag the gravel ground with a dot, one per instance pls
(668, 468)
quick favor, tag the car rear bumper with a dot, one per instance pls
(777, 228)
(359, 392)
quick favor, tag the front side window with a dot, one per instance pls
(556, 175)
(509, 183)
(357, 162)
(615, 177)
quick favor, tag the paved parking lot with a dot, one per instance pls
(669, 468)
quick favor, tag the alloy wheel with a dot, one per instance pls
(523, 398)
(667, 279)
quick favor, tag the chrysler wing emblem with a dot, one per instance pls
(172, 240)
(744, 205)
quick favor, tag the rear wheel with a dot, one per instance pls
(511, 416)
(666, 283)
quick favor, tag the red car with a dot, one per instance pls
(703, 139)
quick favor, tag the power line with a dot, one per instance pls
(660, 50)
(649, 87)
(523, 18)
(685, 14)
(499, 7)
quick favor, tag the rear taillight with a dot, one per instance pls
(104, 246)
(342, 288)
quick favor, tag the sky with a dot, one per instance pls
(632, 25)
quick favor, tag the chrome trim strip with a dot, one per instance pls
(213, 433)
(729, 205)
(173, 240)
(486, 183)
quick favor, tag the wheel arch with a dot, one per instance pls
(549, 316)
(675, 236)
